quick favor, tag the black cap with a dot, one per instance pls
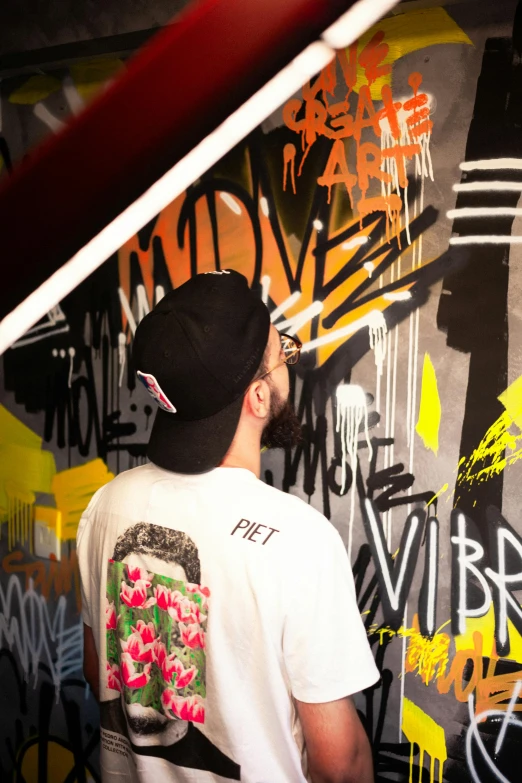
(196, 353)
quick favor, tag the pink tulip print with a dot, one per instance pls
(110, 616)
(138, 574)
(192, 635)
(156, 638)
(173, 668)
(113, 677)
(191, 708)
(130, 676)
(136, 596)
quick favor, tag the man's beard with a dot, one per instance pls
(283, 430)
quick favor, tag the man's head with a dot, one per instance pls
(267, 397)
(199, 354)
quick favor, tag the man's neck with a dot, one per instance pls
(244, 453)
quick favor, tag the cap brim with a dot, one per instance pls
(193, 446)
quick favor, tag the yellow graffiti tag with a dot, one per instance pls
(430, 411)
(24, 469)
(406, 33)
(89, 77)
(427, 657)
(35, 89)
(501, 446)
(73, 490)
(422, 730)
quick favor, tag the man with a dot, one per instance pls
(222, 633)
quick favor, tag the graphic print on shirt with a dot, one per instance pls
(155, 653)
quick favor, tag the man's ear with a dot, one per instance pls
(257, 399)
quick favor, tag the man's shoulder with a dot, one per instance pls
(125, 491)
(292, 508)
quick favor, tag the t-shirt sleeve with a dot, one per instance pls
(325, 646)
(86, 561)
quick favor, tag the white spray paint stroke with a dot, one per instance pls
(159, 293)
(474, 212)
(26, 626)
(284, 306)
(352, 411)
(509, 712)
(486, 240)
(432, 574)
(42, 331)
(263, 203)
(465, 561)
(377, 332)
(423, 161)
(43, 114)
(484, 187)
(397, 296)
(301, 319)
(265, 288)
(72, 354)
(72, 96)
(231, 202)
(355, 242)
(318, 225)
(370, 267)
(344, 331)
(126, 309)
(473, 734)
(122, 355)
(491, 165)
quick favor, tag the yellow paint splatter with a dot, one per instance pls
(24, 469)
(422, 730)
(409, 32)
(501, 446)
(438, 494)
(36, 88)
(430, 411)
(90, 77)
(73, 490)
(427, 657)
(60, 762)
(511, 399)
(485, 625)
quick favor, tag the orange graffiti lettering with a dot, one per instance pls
(459, 666)
(57, 577)
(336, 170)
(372, 56)
(419, 122)
(349, 65)
(369, 165)
(289, 154)
(366, 115)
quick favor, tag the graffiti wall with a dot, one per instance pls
(377, 215)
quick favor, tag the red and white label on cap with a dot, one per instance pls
(155, 391)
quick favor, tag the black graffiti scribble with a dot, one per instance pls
(44, 722)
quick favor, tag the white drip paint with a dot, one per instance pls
(422, 160)
(352, 411)
(122, 355)
(378, 330)
(72, 354)
(265, 288)
(263, 203)
(231, 202)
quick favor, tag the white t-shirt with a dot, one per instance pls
(214, 599)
